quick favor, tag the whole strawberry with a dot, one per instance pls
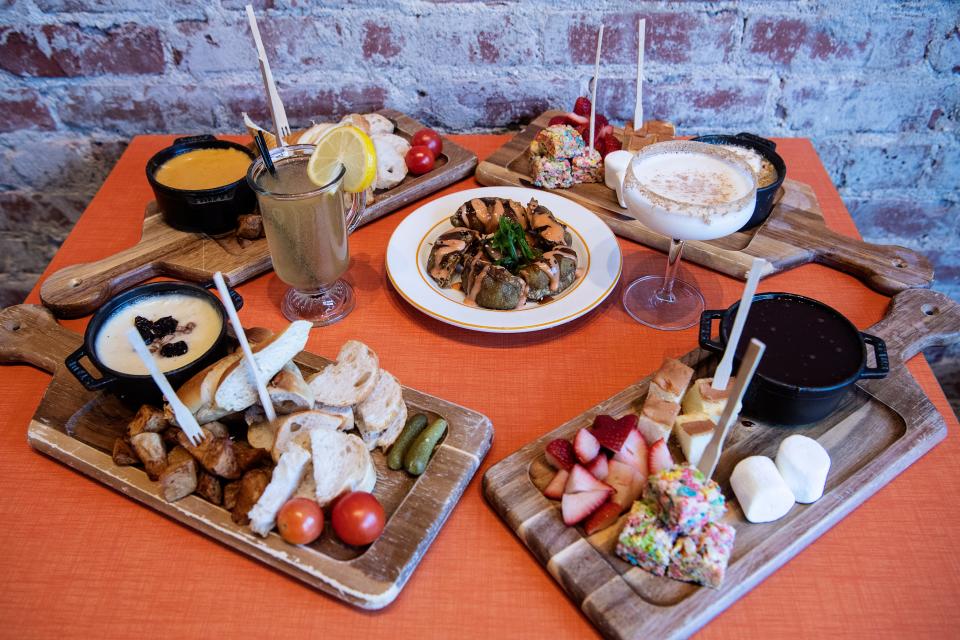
(582, 106)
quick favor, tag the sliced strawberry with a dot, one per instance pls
(585, 445)
(611, 432)
(581, 480)
(554, 490)
(659, 456)
(607, 144)
(558, 120)
(576, 119)
(582, 106)
(577, 506)
(600, 122)
(602, 518)
(602, 132)
(599, 467)
(560, 454)
(634, 452)
(626, 483)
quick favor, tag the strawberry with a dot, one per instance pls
(610, 432)
(602, 132)
(577, 506)
(575, 119)
(582, 106)
(659, 456)
(602, 518)
(626, 483)
(558, 120)
(599, 467)
(600, 123)
(607, 144)
(581, 480)
(560, 454)
(585, 445)
(554, 490)
(634, 452)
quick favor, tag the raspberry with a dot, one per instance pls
(582, 106)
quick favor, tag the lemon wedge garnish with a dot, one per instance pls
(349, 146)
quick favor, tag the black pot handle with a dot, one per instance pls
(234, 294)
(752, 137)
(191, 139)
(880, 353)
(706, 329)
(84, 376)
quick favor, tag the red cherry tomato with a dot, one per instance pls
(358, 518)
(419, 160)
(300, 521)
(430, 139)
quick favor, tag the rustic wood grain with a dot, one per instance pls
(78, 428)
(79, 289)
(794, 234)
(879, 430)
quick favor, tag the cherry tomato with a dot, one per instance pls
(419, 160)
(300, 521)
(358, 518)
(430, 139)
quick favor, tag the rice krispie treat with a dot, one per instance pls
(551, 173)
(587, 167)
(686, 499)
(702, 556)
(644, 541)
(559, 141)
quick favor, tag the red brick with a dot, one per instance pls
(22, 109)
(132, 109)
(305, 103)
(69, 50)
(380, 42)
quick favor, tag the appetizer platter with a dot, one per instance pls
(503, 260)
(387, 463)
(649, 547)
(241, 252)
(792, 235)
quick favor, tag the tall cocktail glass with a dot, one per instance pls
(307, 228)
(685, 191)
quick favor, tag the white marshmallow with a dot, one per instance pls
(804, 464)
(614, 169)
(760, 490)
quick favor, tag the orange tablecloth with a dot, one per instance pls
(81, 560)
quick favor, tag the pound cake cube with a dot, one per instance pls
(587, 167)
(671, 380)
(687, 499)
(551, 173)
(703, 398)
(644, 541)
(694, 431)
(656, 418)
(558, 141)
(702, 557)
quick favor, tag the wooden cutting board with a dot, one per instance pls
(79, 289)
(883, 427)
(793, 235)
(78, 428)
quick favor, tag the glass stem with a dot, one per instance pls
(665, 293)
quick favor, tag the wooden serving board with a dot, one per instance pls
(883, 427)
(78, 428)
(79, 289)
(793, 235)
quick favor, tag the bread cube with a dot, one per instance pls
(694, 431)
(672, 379)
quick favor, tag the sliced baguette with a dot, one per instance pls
(350, 380)
(285, 480)
(344, 412)
(392, 432)
(340, 463)
(380, 410)
(294, 430)
(289, 392)
(236, 390)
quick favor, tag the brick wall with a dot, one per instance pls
(875, 84)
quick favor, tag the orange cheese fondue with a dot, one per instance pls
(203, 169)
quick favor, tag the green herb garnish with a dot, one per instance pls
(511, 242)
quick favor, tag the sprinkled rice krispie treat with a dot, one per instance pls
(702, 556)
(587, 167)
(644, 541)
(551, 173)
(687, 500)
(558, 141)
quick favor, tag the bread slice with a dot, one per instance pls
(392, 432)
(295, 429)
(237, 390)
(350, 380)
(346, 413)
(341, 463)
(379, 410)
(289, 392)
(286, 478)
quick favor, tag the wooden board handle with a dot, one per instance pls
(29, 333)
(76, 290)
(917, 319)
(886, 268)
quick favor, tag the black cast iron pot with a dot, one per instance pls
(210, 211)
(766, 197)
(140, 389)
(814, 356)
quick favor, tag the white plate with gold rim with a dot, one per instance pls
(409, 247)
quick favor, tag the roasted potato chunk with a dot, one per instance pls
(149, 448)
(148, 419)
(179, 479)
(123, 454)
(230, 492)
(249, 457)
(209, 488)
(252, 486)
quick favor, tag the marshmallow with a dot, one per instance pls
(761, 491)
(615, 167)
(804, 464)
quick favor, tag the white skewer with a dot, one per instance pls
(641, 46)
(708, 463)
(245, 346)
(277, 111)
(721, 376)
(593, 97)
(183, 415)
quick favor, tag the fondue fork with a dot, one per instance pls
(708, 463)
(721, 376)
(277, 112)
(180, 411)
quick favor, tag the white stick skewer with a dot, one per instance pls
(708, 463)
(593, 96)
(277, 111)
(722, 375)
(183, 415)
(641, 47)
(245, 346)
